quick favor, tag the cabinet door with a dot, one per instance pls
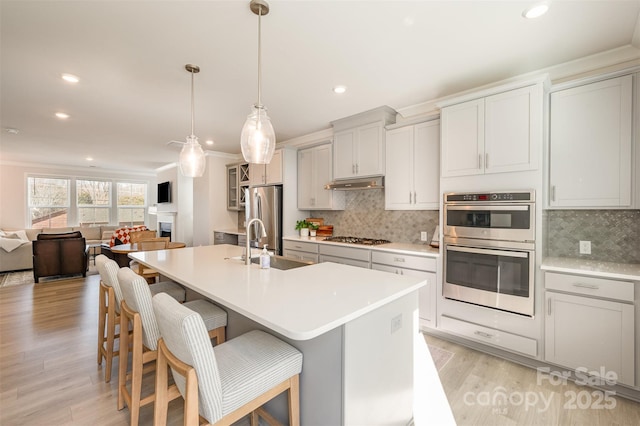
(463, 139)
(426, 167)
(273, 170)
(305, 179)
(343, 160)
(598, 335)
(370, 150)
(513, 130)
(323, 199)
(398, 193)
(257, 174)
(590, 145)
(232, 188)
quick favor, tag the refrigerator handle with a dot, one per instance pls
(258, 214)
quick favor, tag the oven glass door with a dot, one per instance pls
(495, 278)
(506, 222)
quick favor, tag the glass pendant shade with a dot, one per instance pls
(258, 140)
(192, 158)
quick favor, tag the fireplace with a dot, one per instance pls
(164, 229)
(167, 225)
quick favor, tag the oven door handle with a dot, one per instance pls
(489, 208)
(488, 251)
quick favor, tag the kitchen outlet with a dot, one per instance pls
(585, 247)
(396, 323)
(423, 236)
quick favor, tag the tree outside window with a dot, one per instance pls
(48, 200)
(131, 203)
(93, 199)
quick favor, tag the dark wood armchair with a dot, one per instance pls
(60, 254)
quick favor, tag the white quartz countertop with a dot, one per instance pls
(624, 271)
(234, 231)
(402, 248)
(300, 303)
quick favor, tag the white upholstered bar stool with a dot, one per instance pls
(225, 383)
(136, 309)
(110, 298)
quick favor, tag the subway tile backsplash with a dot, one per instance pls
(365, 216)
(614, 234)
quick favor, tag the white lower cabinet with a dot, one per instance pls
(299, 250)
(591, 330)
(416, 266)
(345, 255)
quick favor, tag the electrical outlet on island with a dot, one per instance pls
(423, 236)
(585, 247)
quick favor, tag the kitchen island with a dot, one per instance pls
(357, 329)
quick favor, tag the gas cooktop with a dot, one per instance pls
(356, 240)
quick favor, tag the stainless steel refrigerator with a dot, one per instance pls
(265, 203)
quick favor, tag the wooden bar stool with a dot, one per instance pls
(110, 299)
(137, 310)
(225, 383)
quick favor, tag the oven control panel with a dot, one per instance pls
(516, 196)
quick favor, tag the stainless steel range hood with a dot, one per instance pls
(376, 182)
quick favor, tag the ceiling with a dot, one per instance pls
(134, 93)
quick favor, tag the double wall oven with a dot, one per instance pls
(489, 249)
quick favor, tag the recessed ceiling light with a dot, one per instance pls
(339, 89)
(70, 78)
(62, 115)
(12, 131)
(209, 142)
(536, 10)
(89, 158)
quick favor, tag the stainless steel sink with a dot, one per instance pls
(283, 263)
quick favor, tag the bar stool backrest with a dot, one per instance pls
(137, 295)
(108, 270)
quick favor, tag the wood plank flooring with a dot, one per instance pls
(49, 375)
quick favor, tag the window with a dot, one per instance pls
(48, 200)
(93, 199)
(131, 203)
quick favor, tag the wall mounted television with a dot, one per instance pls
(164, 192)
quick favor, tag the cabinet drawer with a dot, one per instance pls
(348, 252)
(344, 261)
(300, 255)
(300, 246)
(490, 336)
(590, 286)
(404, 261)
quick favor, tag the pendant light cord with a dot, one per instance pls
(259, 57)
(192, 105)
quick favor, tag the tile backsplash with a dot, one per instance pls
(614, 234)
(365, 216)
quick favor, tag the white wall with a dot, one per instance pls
(13, 192)
(209, 200)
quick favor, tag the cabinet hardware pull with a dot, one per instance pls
(553, 193)
(357, 168)
(398, 259)
(409, 197)
(415, 198)
(549, 306)
(479, 161)
(353, 169)
(589, 286)
(486, 160)
(483, 334)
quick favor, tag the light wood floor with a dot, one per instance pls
(49, 375)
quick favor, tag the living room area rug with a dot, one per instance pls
(16, 278)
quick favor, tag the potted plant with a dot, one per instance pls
(303, 226)
(313, 228)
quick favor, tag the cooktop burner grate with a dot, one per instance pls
(357, 240)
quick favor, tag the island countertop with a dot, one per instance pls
(300, 303)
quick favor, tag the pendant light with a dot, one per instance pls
(258, 140)
(192, 158)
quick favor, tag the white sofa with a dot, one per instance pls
(22, 257)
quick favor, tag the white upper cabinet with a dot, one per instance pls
(412, 178)
(267, 174)
(314, 172)
(591, 145)
(359, 151)
(358, 144)
(493, 134)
